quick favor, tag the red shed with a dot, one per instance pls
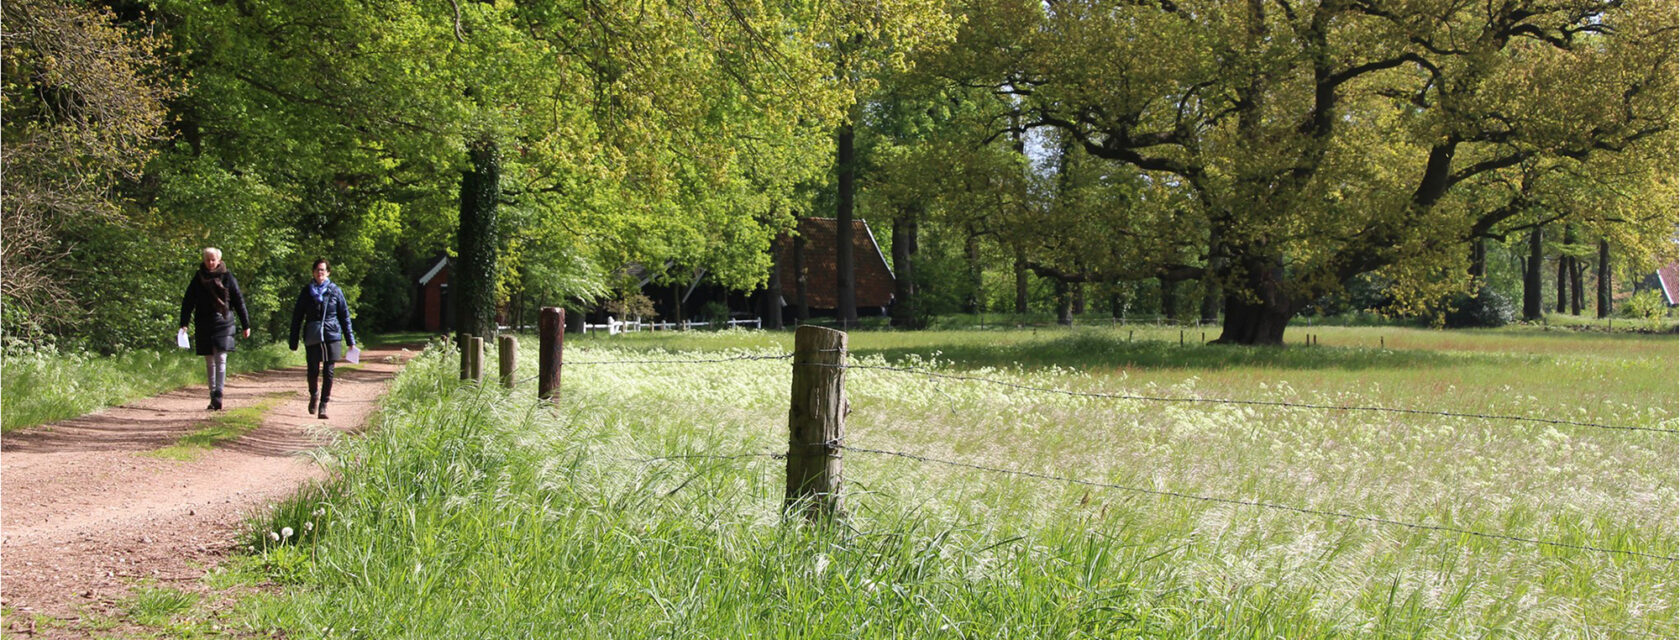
(434, 297)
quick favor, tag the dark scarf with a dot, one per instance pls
(212, 282)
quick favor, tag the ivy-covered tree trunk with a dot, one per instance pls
(844, 269)
(473, 276)
(1604, 278)
(1531, 275)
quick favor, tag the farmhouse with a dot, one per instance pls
(874, 280)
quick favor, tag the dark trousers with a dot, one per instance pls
(321, 363)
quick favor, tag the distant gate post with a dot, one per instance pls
(551, 340)
(817, 422)
(507, 350)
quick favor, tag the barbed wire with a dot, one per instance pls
(783, 356)
(1230, 401)
(1250, 503)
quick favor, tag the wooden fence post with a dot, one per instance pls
(817, 422)
(507, 351)
(477, 349)
(463, 341)
(551, 342)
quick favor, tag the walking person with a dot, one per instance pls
(321, 317)
(210, 303)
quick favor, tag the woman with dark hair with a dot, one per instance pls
(210, 303)
(321, 317)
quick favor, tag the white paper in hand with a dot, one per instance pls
(181, 339)
(354, 355)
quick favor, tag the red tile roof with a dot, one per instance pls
(1670, 277)
(873, 278)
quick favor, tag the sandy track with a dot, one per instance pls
(85, 513)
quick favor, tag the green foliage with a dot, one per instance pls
(1645, 305)
(1486, 309)
(44, 384)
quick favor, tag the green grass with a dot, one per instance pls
(477, 512)
(222, 427)
(41, 388)
(36, 389)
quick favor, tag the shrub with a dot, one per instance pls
(1488, 308)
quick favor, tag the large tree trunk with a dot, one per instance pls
(1169, 298)
(1020, 281)
(1064, 303)
(1562, 283)
(801, 282)
(1531, 276)
(1577, 298)
(1604, 278)
(1212, 297)
(473, 277)
(971, 304)
(1078, 300)
(1478, 260)
(844, 271)
(1257, 312)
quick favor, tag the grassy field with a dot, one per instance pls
(648, 504)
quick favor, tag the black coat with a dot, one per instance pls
(213, 331)
(332, 312)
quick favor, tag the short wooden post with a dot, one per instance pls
(817, 422)
(1180, 337)
(507, 351)
(463, 341)
(477, 349)
(1382, 342)
(551, 340)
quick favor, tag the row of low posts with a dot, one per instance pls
(816, 413)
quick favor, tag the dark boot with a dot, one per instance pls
(326, 392)
(215, 401)
(311, 404)
(323, 414)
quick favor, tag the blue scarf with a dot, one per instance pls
(319, 290)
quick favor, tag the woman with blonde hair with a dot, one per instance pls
(212, 299)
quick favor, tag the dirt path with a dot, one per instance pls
(88, 510)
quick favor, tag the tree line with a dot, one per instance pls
(1242, 161)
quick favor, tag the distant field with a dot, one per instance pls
(627, 513)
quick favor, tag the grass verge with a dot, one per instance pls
(222, 427)
(648, 503)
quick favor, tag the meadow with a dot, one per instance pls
(647, 503)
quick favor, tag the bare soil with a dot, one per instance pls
(87, 510)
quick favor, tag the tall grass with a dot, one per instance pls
(475, 512)
(37, 388)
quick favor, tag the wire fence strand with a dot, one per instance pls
(1230, 401)
(1253, 503)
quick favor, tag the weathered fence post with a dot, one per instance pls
(551, 340)
(817, 422)
(507, 350)
(463, 341)
(476, 346)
